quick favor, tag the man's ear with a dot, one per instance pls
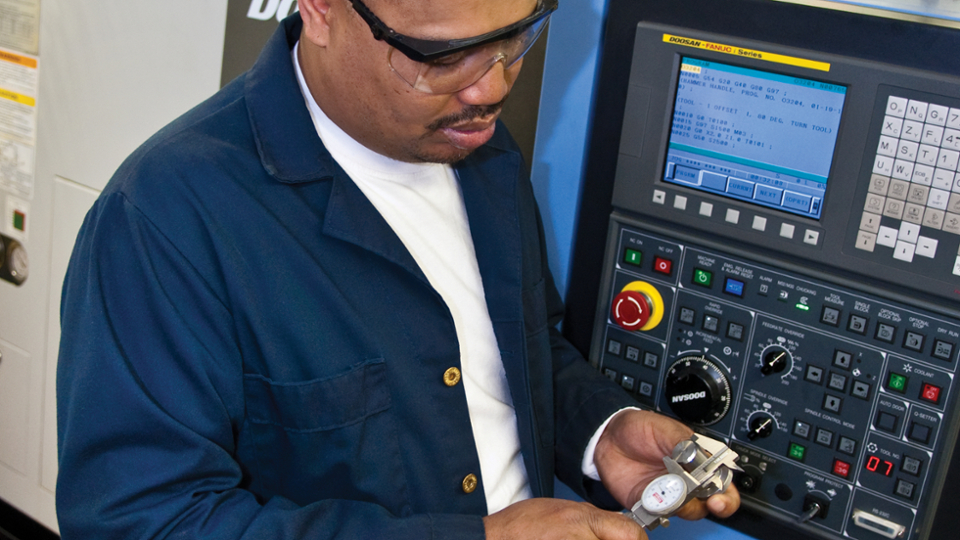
(316, 15)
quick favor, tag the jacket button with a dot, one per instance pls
(451, 376)
(469, 483)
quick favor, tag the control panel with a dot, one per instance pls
(782, 265)
(841, 404)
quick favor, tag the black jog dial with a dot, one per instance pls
(697, 390)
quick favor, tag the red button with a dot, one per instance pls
(631, 310)
(930, 393)
(664, 266)
(841, 468)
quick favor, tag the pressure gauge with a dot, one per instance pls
(665, 495)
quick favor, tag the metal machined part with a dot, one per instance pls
(697, 468)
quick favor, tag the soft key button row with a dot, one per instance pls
(734, 216)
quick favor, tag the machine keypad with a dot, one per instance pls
(914, 180)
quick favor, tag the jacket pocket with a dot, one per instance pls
(320, 404)
(329, 438)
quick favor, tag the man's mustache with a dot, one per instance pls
(470, 112)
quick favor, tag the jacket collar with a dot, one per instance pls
(289, 147)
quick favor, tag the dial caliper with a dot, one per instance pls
(698, 467)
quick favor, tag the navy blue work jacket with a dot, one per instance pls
(249, 351)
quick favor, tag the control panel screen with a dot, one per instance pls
(753, 135)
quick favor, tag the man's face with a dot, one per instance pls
(355, 86)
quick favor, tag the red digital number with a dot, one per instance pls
(873, 463)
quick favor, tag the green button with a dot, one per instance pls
(797, 451)
(18, 221)
(632, 256)
(702, 277)
(897, 382)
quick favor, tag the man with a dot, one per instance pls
(285, 317)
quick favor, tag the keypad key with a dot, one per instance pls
(886, 422)
(842, 359)
(832, 403)
(824, 437)
(860, 390)
(837, 382)
(847, 445)
(919, 433)
(911, 465)
(830, 316)
(905, 489)
(813, 374)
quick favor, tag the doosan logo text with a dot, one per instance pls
(262, 10)
(689, 397)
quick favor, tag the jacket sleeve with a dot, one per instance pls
(150, 398)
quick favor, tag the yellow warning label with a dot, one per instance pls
(747, 53)
(19, 98)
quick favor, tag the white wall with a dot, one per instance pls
(111, 73)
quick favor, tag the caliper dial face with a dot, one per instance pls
(664, 495)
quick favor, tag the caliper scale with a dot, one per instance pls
(697, 468)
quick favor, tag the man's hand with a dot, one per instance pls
(630, 454)
(559, 519)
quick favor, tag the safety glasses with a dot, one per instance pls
(447, 66)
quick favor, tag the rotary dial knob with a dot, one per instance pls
(774, 360)
(697, 390)
(760, 426)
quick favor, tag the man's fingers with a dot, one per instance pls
(557, 519)
(616, 526)
(721, 505)
(724, 504)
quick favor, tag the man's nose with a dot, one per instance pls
(493, 86)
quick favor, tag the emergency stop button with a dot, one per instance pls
(631, 310)
(638, 306)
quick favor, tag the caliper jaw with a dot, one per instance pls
(706, 467)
